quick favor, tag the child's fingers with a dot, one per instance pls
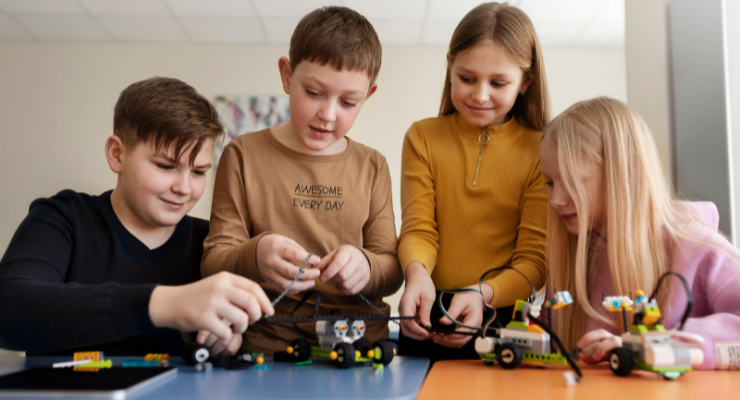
(301, 286)
(604, 347)
(203, 335)
(218, 347)
(256, 290)
(294, 252)
(357, 288)
(326, 260)
(234, 345)
(456, 307)
(592, 337)
(245, 302)
(411, 328)
(425, 309)
(289, 271)
(340, 261)
(217, 327)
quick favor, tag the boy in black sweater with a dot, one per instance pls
(120, 272)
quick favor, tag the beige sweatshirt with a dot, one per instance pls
(321, 202)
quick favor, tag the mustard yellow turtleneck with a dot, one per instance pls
(458, 230)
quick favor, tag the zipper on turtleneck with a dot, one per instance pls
(483, 139)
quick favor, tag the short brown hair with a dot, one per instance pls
(337, 36)
(168, 110)
(512, 31)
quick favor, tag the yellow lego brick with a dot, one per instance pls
(94, 356)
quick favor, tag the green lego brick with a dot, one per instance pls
(318, 352)
(658, 328)
(682, 369)
(308, 362)
(552, 358)
(517, 325)
(638, 329)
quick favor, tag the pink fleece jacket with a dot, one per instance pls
(714, 279)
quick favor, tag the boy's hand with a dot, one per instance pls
(224, 304)
(276, 259)
(417, 301)
(596, 345)
(467, 306)
(219, 346)
(348, 267)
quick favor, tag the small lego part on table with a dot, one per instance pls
(93, 356)
(301, 363)
(203, 367)
(140, 364)
(162, 359)
(194, 352)
(70, 364)
(100, 364)
(262, 367)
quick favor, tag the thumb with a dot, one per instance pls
(456, 307)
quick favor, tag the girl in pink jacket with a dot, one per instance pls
(614, 227)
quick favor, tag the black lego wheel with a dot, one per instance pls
(194, 353)
(220, 361)
(362, 345)
(621, 361)
(345, 355)
(386, 351)
(509, 355)
(301, 349)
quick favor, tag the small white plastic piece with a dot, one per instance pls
(570, 378)
(485, 345)
(202, 355)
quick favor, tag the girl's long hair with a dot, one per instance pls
(512, 31)
(643, 220)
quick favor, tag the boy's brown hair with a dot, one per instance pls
(168, 110)
(337, 36)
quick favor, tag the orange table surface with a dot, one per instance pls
(471, 379)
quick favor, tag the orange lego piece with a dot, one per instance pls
(94, 356)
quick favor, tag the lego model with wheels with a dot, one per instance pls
(646, 345)
(341, 337)
(524, 340)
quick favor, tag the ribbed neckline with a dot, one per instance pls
(308, 157)
(496, 133)
(138, 245)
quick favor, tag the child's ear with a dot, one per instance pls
(528, 79)
(285, 73)
(372, 90)
(113, 151)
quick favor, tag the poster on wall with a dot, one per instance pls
(240, 115)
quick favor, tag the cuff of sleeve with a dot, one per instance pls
(409, 254)
(250, 255)
(130, 310)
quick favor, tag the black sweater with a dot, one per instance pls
(73, 278)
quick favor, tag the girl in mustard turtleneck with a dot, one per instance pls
(471, 190)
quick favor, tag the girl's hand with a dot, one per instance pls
(596, 345)
(469, 307)
(348, 267)
(276, 259)
(417, 301)
(218, 346)
(223, 304)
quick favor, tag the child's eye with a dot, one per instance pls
(465, 79)
(165, 167)
(199, 173)
(312, 93)
(348, 104)
(498, 84)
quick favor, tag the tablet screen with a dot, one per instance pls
(64, 380)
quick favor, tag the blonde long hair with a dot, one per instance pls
(513, 32)
(643, 220)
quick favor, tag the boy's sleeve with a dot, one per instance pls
(380, 241)
(419, 240)
(41, 312)
(529, 254)
(229, 246)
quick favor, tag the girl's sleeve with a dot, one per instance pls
(419, 239)
(529, 253)
(716, 315)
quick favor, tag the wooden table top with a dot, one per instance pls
(471, 379)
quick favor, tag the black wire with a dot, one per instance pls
(563, 352)
(480, 281)
(690, 302)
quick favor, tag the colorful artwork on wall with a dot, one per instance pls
(240, 115)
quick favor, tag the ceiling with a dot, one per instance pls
(398, 22)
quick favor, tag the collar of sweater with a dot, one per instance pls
(496, 133)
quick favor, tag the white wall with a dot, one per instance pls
(56, 103)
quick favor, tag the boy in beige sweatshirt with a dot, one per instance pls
(304, 187)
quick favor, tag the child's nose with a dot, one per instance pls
(480, 94)
(182, 184)
(327, 112)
